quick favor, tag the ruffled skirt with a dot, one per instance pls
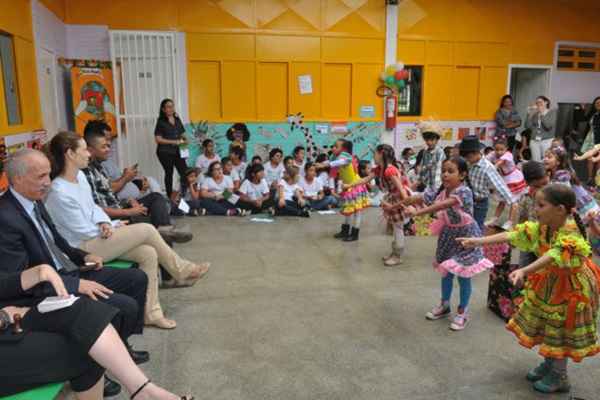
(454, 258)
(354, 200)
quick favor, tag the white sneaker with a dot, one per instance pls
(437, 312)
(460, 321)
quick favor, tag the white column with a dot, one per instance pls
(391, 34)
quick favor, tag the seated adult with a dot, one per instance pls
(74, 344)
(154, 205)
(28, 237)
(126, 184)
(86, 226)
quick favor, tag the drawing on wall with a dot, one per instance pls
(462, 132)
(447, 134)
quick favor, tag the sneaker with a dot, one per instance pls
(201, 212)
(385, 258)
(438, 312)
(305, 213)
(459, 322)
(243, 213)
(393, 261)
(193, 213)
(540, 371)
(232, 212)
(553, 382)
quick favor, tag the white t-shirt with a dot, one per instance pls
(234, 175)
(326, 180)
(300, 167)
(203, 162)
(211, 186)
(273, 174)
(289, 190)
(240, 169)
(311, 189)
(255, 190)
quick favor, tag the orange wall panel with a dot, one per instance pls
(437, 90)
(308, 104)
(353, 50)
(439, 53)
(15, 18)
(337, 90)
(468, 53)
(239, 90)
(204, 90)
(492, 88)
(293, 48)
(465, 92)
(208, 46)
(411, 51)
(272, 90)
(365, 81)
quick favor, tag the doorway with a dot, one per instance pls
(48, 92)
(526, 82)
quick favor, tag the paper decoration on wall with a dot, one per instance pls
(322, 129)
(297, 122)
(367, 111)
(411, 133)
(339, 127)
(462, 132)
(447, 134)
(305, 84)
(480, 131)
(92, 93)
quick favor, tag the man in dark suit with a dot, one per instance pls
(28, 238)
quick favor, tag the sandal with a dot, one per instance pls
(146, 384)
(162, 323)
(199, 271)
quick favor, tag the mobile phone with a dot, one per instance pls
(88, 266)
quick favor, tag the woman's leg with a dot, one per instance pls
(213, 207)
(181, 166)
(96, 392)
(167, 163)
(319, 205)
(465, 293)
(127, 238)
(290, 208)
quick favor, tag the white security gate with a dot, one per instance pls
(145, 72)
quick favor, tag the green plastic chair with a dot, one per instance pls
(47, 392)
(120, 264)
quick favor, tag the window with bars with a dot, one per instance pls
(578, 59)
(409, 98)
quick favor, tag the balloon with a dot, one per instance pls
(382, 76)
(390, 70)
(399, 66)
(404, 74)
(390, 80)
(398, 75)
(401, 84)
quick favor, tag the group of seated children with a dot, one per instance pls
(281, 186)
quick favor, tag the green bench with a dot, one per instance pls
(46, 392)
(50, 391)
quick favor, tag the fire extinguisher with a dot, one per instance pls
(391, 110)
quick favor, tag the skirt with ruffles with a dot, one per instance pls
(354, 200)
(452, 257)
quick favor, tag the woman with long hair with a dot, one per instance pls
(541, 119)
(507, 121)
(169, 135)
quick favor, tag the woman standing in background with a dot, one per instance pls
(507, 121)
(169, 135)
(542, 122)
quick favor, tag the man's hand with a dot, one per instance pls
(129, 173)
(93, 289)
(106, 230)
(137, 210)
(47, 274)
(92, 258)
(258, 203)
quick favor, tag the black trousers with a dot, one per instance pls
(169, 161)
(252, 207)
(55, 347)
(129, 297)
(158, 210)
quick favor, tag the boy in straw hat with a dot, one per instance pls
(430, 175)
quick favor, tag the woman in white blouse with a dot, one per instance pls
(85, 225)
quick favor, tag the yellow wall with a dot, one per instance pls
(15, 19)
(465, 46)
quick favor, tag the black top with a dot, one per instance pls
(170, 132)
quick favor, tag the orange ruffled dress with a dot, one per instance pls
(559, 309)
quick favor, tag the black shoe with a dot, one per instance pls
(353, 235)
(139, 357)
(111, 388)
(343, 233)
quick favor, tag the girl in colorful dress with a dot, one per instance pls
(560, 300)
(453, 203)
(556, 162)
(512, 176)
(353, 198)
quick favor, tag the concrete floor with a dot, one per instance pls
(287, 312)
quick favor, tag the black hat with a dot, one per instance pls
(470, 144)
(238, 127)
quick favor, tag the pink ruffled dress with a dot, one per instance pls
(450, 224)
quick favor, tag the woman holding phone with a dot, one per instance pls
(541, 120)
(169, 135)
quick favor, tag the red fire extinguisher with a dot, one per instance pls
(391, 110)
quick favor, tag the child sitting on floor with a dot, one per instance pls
(291, 200)
(312, 188)
(255, 195)
(231, 173)
(192, 195)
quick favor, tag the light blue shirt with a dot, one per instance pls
(73, 210)
(29, 206)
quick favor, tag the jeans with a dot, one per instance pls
(480, 210)
(322, 204)
(214, 207)
(290, 208)
(465, 289)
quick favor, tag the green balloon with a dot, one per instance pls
(401, 84)
(390, 80)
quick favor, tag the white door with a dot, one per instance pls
(48, 94)
(144, 74)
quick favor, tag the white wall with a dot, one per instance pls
(88, 42)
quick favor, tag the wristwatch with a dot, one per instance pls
(4, 320)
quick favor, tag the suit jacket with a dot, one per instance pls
(22, 245)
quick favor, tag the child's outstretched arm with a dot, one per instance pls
(437, 206)
(469, 243)
(518, 275)
(595, 151)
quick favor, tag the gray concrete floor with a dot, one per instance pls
(287, 312)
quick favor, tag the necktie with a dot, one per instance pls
(57, 254)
